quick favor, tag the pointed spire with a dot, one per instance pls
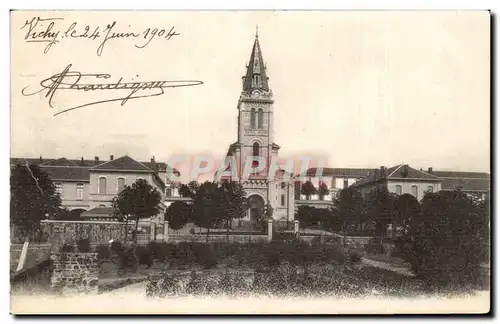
(256, 77)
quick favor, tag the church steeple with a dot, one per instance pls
(256, 77)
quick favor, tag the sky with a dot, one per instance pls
(356, 88)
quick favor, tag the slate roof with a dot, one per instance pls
(341, 172)
(161, 166)
(67, 173)
(256, 66)
(466, 181)
(123, 163)
(397, 172)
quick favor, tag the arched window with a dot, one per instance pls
(256, 149)
(252, 118)
(399, 190)
(79, 191)
(102, 206)
(102, 185)
(414, 191)
(260, 119)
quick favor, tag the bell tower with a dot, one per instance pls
(255, 148)
(255, 113)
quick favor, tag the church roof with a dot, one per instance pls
(256, 66)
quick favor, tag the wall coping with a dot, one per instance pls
(86, 222)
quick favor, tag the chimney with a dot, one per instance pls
(83, 161)
(429, 170)
(405, 170)
(153, 159)
(111, 157)
(41, 160)
(96, 159)
(153, 164)
(383, 172)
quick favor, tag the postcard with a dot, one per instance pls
(250, 162)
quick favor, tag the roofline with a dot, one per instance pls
(399, 167)
(121, 170)
(71, 180)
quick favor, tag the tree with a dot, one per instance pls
(307, 216)
(308, 189)
(349, 208)
(323, 190)
(406, 207)
(189, 190)
(380, 208)
(233, 202)
(178, 214)
(445, 238)
(138, 201)
(216, 203)
(205, 207)
(32, 197)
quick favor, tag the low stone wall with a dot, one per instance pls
(74, 273)
(69, 232)
(177, 238)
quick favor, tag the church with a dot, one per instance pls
(252, 159)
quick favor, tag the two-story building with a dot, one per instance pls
(87, 187)
(334, 179)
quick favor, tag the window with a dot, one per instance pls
(283, 185)
(59, 188)
(283, 199)
(79, 191)
(102, 185)
(252, 118)
(256, 149)
(414, 191)
(334, 183)
(399, 190)
(346, 183)
(260, 119)
(430, 189)
(102, 206)
(168, 192)
(120, 184)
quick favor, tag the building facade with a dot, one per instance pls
(334, 179)
(87, 187)
(248, 159)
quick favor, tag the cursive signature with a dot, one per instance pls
(53, 30)
(76, 81)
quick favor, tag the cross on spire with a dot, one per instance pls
(257, 31)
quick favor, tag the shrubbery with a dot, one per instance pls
(374, 246)
(83, 245)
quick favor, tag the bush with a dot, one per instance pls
(354, 257)
(374, 246)
(83, 245)
(103, 252)
(192, 231)
(144, 256)
(67, 248)
(116, 247)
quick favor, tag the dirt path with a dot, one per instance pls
(402, 270)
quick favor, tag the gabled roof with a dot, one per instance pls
(256, 66)
(404, 171)
(398, 172)
(123, 163)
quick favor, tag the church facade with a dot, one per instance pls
(252, 159)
